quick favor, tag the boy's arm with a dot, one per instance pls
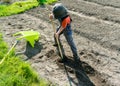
(59, 31)
(63, 26)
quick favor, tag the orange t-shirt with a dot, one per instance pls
(65, 22)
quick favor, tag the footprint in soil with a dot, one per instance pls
(77, 69)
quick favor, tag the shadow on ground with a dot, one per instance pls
(30, 51)
(80, 71)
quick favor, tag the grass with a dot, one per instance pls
(15, 72)
(20, 7)
(3, 47)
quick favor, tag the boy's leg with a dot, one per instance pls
(71, 43)
(61, 46)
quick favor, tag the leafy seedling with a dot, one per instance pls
(30, 36)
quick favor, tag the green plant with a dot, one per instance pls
(30, 36)
(15, 72)
(21, 6)
(17, 7)
(41, 2)
(51, 1)
(3, 47)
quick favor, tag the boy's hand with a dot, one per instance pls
(56, 35)
(51, 16)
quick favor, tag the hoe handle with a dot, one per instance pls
(53, 24)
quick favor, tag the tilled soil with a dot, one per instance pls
(96, 37)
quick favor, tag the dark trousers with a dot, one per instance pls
(71, 43)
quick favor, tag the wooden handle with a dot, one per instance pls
(57, 39)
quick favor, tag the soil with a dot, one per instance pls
(96, 35)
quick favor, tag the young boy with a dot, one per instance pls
(60, 12)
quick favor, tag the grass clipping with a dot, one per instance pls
(15, 72)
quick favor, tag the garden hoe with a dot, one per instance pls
(30, 36)
(57, 39)
(61, 52)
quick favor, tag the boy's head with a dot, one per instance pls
(59, 11)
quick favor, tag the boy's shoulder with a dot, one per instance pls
(66, 19)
